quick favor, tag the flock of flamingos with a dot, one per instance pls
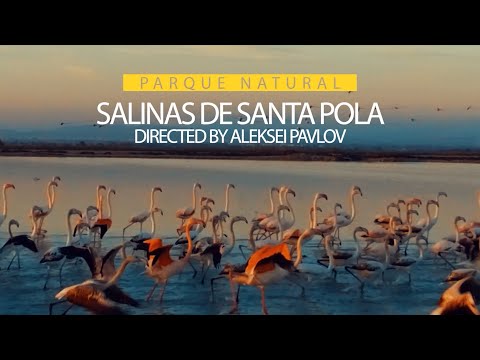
(273, 254)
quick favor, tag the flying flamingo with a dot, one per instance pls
(5, 207)
(268, 265)
(161, 266)
(97, 296)
(187, 212)
(460, 298)
(14, 242)
(142, 217)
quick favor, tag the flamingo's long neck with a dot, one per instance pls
(352, 206)
(314, 218)
(119, 272)
(232, 240)
(190, 245)
(5, 206)
(433, 220)
(99, 204)
(205, 217)
(194, 197)
(290, 207)
(272, 205)
(10, 230)
(388, 210)
(227, 198)
(69, 227)
(109, 204)
(298, 260)
(221, 229)
(51, 201)
(154, 225)
(280, 226)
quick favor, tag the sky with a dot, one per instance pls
(46, 84)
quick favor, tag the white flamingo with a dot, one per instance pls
(3, 216)
(187, 212)
(143, 216)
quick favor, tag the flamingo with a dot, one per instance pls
(14, 242)
(445, 246)
(97, 296)
(53, 255)
(102, 225)
(313, 269)
(294, 234)
(40, 212)
(272, 224)
(254, 245)
(460, 298)
(187, 212)
(405, 263)
(142, 217)
(366, 269)
(141, 237)
(343, 218)
(162, 267)
(384, 220)
(261, 216)
(196, 230)
(430, 224)
(3, 216)
(213, 254)
(268, 265)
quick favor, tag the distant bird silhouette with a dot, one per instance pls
(439, 109)
(349, 92)
(469, 107)
(36, 178)
(396, 108)
(62, 123)
(412, 119)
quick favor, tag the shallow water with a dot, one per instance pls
(133, 178)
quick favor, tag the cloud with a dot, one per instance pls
(79, 70)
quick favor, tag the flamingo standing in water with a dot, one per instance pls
(142, 217)
(3, 216)
(261, 216)
(188, 212)
(162, 267)
(100, 296)
(140, 238)
(102, 225)
(39, 213)
(343, 218)
(53, 255)
(14, 242)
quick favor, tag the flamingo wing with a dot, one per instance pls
(266, 252)
(161, 256)
(116, 294)
(92, 299)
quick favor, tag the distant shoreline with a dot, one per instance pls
(279, 153)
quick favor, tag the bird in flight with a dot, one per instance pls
(469, 107)
(439, 109)
(36, 178)
(412, 119)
